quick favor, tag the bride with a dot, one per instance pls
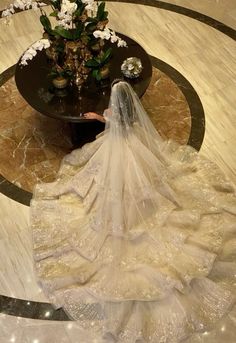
(135, 239)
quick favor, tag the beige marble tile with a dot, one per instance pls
(17, 277)
(23, 30)
(4, 4)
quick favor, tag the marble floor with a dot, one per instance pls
(196, 41)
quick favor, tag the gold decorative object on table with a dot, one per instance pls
(105, 72)
(75, 46)
(132, 67)
(60, 82)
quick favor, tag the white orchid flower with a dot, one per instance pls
(65, 23)
(28, 56)
(114, 37)
(35, 6)
(98, 34)
(65, 20)
(32, 51)
(91, 7)
(23, 63)
(121, 43)
(105, 34)
(41, 44)
(22, 5)
(68, 7)
(88, 2)
(7, 13)
(109, 34)
(66, 13)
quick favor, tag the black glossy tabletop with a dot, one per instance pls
(35, 86)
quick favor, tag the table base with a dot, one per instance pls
(82, 133)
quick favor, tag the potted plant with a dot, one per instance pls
(77, 41)
(100, 65)
(60, 77)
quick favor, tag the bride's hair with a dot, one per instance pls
(122, 101)
(116, 81)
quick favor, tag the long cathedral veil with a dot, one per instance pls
(125, 239)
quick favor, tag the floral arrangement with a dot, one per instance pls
(76, 45)
(132, 67)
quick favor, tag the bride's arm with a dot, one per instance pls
(94, 115)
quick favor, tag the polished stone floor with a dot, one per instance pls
(36, 143)
(193, 47)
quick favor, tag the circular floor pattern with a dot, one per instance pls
(37, 310)
(33, 145)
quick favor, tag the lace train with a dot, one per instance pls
(164, 273)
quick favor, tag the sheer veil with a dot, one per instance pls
(127, 236)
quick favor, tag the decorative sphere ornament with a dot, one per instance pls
(132, 67)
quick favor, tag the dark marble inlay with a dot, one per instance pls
(30, 309)
(13, 192)
(6, 187)
(197, 112)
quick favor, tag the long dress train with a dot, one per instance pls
(136, 238)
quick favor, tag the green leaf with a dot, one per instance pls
(96, 74)
(46, 23)
(76, 33)
(71, 34)
(56, 4)
(105, 15)
(79, 25)
(101, 9)
(91, 27)
(92, 40)
(98, 60)
(53, 14)
(91, 20)
(92, 64)
(63, 32)
(99, 76)
(107, 55)
(80, 10)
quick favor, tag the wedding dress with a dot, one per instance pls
(136, 238)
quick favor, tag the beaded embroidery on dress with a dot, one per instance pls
(136, 237)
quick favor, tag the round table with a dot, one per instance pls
(69, 105)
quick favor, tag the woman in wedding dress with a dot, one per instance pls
(136, 237)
